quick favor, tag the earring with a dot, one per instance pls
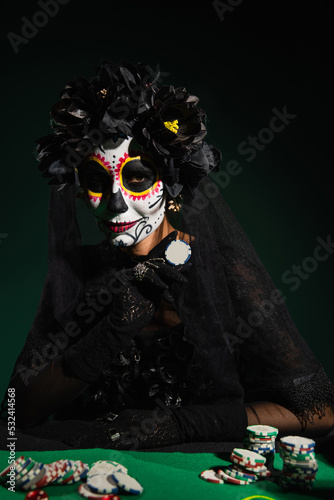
(175, 204)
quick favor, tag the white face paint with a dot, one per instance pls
(125, 193)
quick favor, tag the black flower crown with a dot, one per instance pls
(123, 100)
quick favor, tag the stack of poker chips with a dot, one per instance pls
(299, 463)
(261, 439)
(246, 468)
(31, 475)
(107, 478)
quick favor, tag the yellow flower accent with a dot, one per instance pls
(172, 126)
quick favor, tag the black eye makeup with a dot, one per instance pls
(97, 178)
(138, 175)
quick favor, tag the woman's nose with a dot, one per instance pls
(116, 203)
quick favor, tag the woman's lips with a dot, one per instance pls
(119, 227)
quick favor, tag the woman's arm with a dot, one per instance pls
(266, 413)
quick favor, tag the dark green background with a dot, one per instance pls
(263, 55)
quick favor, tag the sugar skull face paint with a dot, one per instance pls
(124, 192)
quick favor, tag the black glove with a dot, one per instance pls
(156, 277)
(136, 297)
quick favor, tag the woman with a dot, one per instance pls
(170, 330)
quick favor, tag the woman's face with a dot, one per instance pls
(124, 192)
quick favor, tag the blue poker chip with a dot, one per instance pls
(178, 252)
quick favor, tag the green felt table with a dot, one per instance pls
(175, 476)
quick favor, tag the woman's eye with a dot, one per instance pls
(136, 179)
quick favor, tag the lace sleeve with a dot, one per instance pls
(275, 362)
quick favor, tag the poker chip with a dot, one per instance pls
(79, 469)
(103, 483)
(297, 442)
(106, 467)
(36, 495)
(28, 465)
(249, 463)
(296, 457)
(177, 252)
(255, 470)
(232, 480)
(31, 484)
(211, 477)
(23, 465)
(261, 439)
(301, 451)
(262, 430)
(236, 471)
(49, 477)
(245, 457)
(61, 469)
(299, 462)
(127, 483)
(86, 492)
(30, 475)
(10, 467)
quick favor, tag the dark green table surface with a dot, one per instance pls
(175, 476)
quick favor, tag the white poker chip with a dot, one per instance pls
(103, 483)
(127, 483)
(298, 442)
(262, 430)
(106, 467)
(85, 491)
(211, 476)
(177, 252)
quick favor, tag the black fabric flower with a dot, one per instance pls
(120, 101)
(174, 125)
